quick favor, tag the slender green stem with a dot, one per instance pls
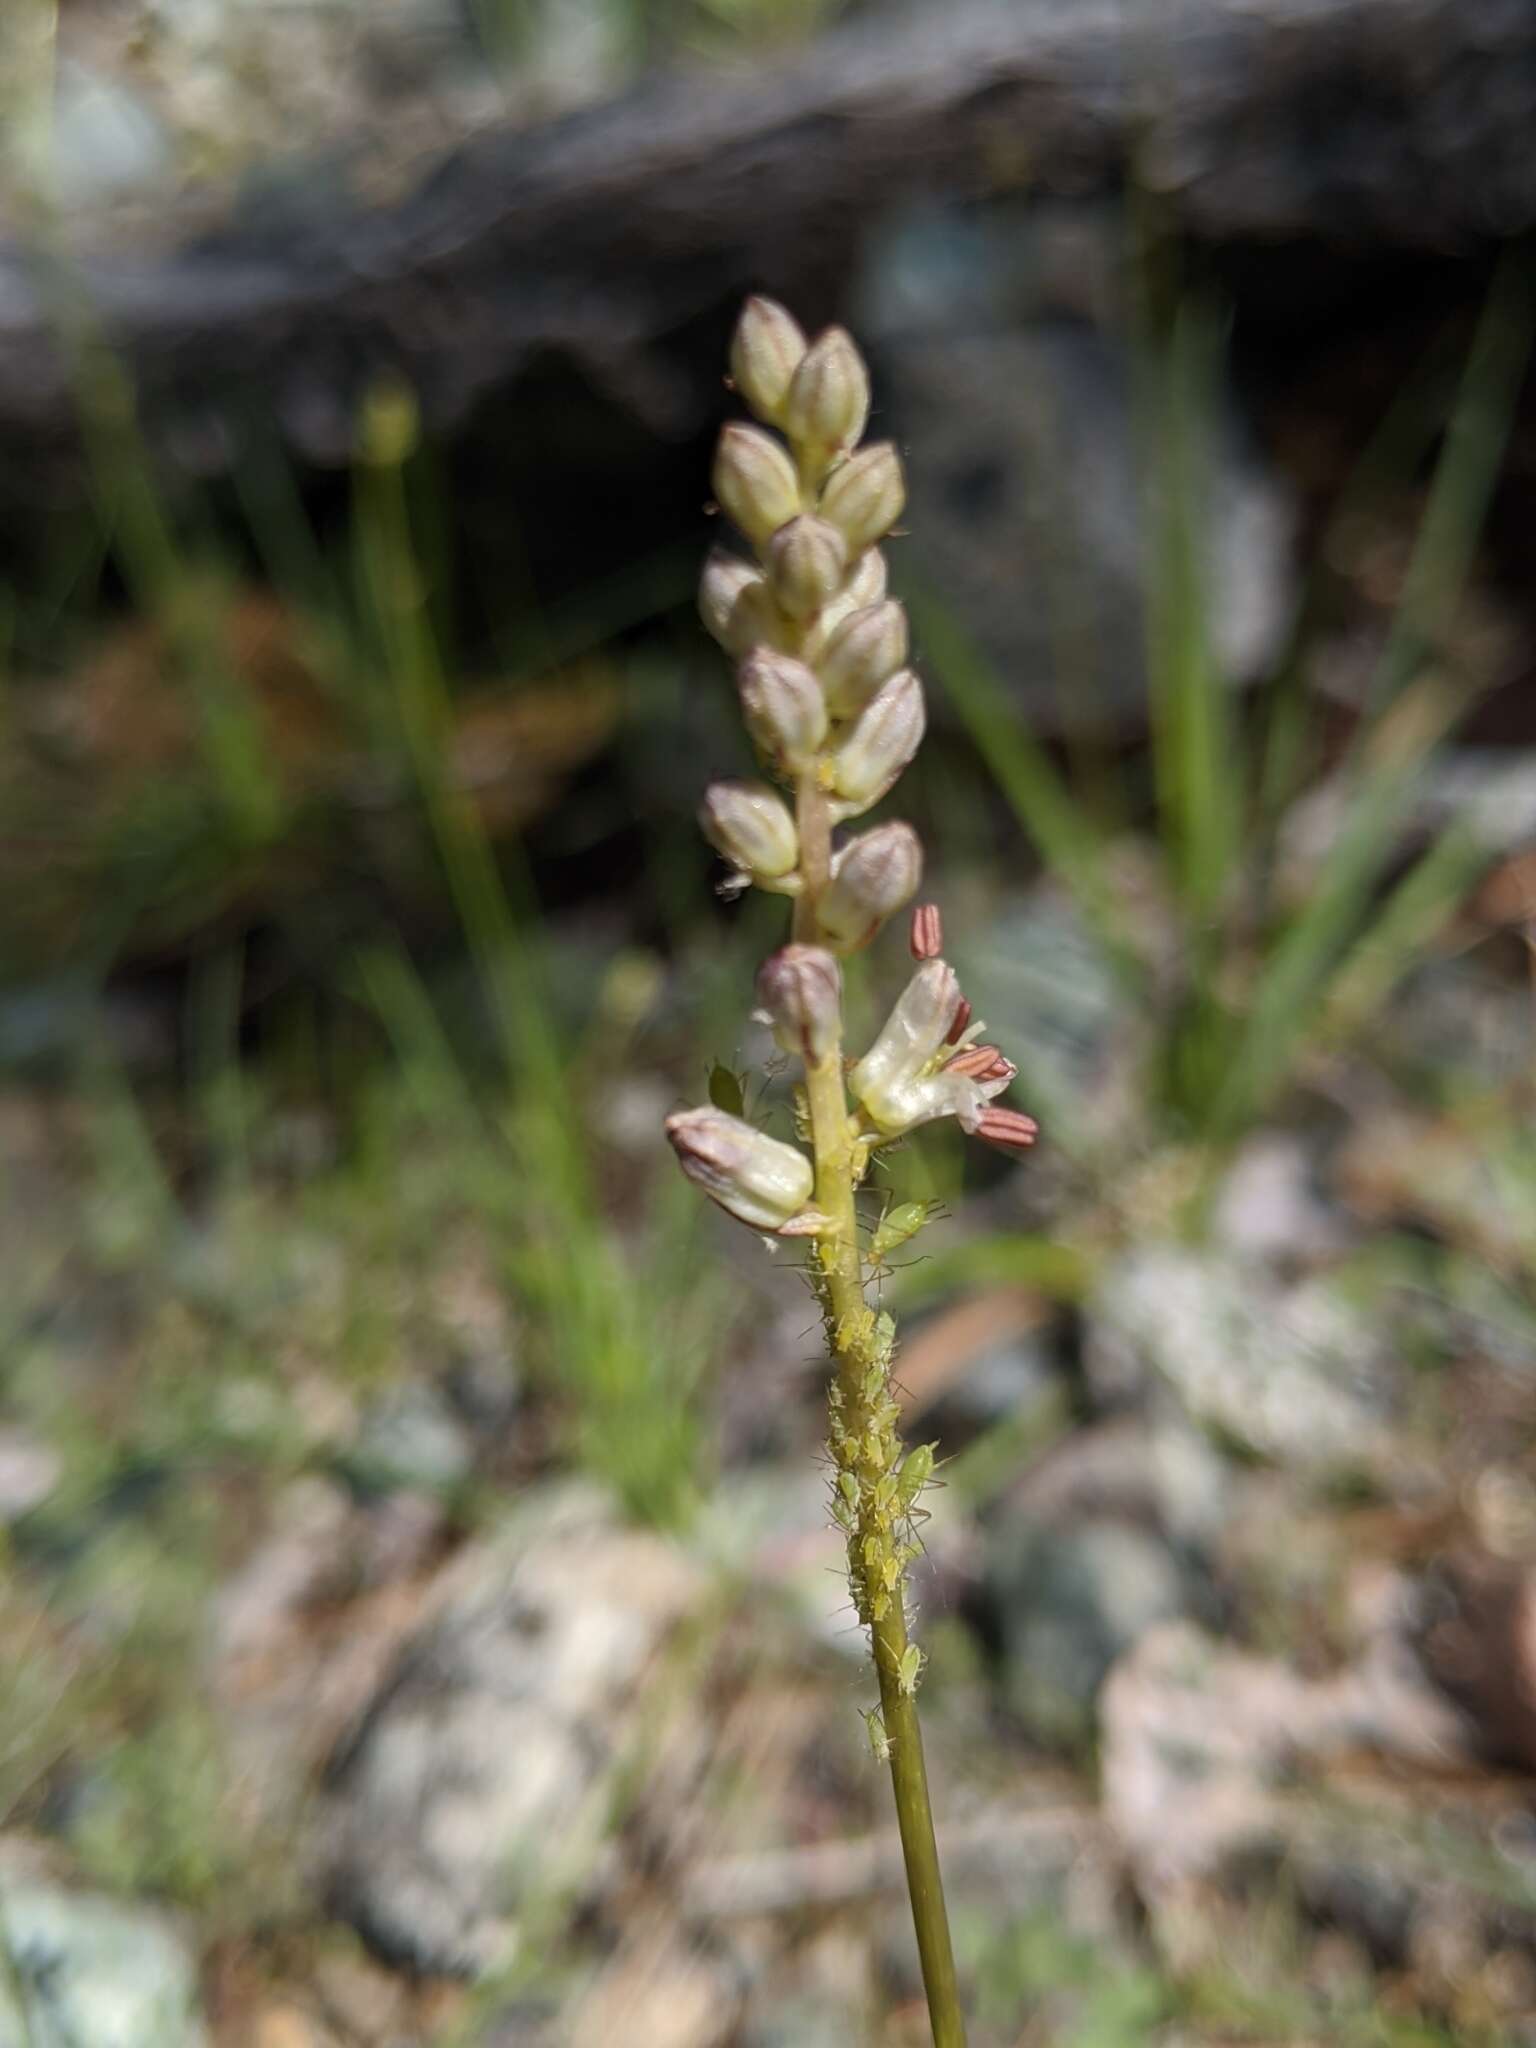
(858, 1357)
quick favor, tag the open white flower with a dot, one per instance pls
(905, 1078)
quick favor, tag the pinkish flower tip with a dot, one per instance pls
(981, 1062)
(1009, 1129)
(927, 932)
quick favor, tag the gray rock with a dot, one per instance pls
(1456, 1015)
(88, 1972)
(1006, 1379)
(1205, 1749)
(29, 1472)
(1490, 792)
(1269, 1205)
(1050, 995)
(1295, 1374)
(481, 1773)
(1068, 1602)
(107, 141)
(1018, 413)
(410, 1437)
(1159, 1471)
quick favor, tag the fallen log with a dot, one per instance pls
(618, 238)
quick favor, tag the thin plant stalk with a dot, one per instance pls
(850, 1330)
(836, 716)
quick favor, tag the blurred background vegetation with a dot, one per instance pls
(420, 1621)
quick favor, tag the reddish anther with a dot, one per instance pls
(927, 932)
(1009, 1129)
(979, 1061)
(956, 1030)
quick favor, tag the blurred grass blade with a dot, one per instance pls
(426, 1060)
(1296, 976)
(393, 595)
(1197, 771)
(1405, 925)
(214, 1000)
(1399, 444)
(1064, 834)
(187, 598)
(1061, 1272)
(1464, 476)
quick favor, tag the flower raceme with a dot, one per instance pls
(836, 714)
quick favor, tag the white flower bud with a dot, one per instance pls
(867, 583)
(784, 709)
(751, 826)
(863, 649)
(725, 581)
(864, 496)
(765, 350)
(865, 586)
(872, 876)
(828, 400)
(754, 1177)
(807, 560)
(880, 745)
(755, 481)
(800, 991)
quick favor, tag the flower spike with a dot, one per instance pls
(822, 653)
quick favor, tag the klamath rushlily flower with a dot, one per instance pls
(912, 1074)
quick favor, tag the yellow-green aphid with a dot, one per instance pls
(909, 1670)
(916, 1471)
(879, 1741)
(885, 1490)
(897, 1225)
(848, 1487)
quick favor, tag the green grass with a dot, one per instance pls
(1260, 984)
